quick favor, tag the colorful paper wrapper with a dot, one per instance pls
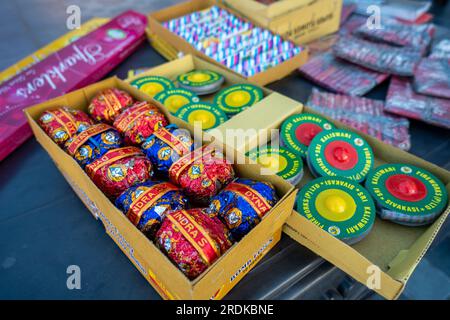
(166, 146)
(63, 123)
(146, 204)
(192, 240)
(139, 122)
(242, 205)
(119, 169)
(93, 143)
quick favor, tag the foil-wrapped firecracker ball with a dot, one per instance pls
(242, 204)
(108, 104)
(63, 123)
(92, 143)
(139, 121)
(192, 240)
(146, 204)
(119, 169)
(166, 146)
(201, 174)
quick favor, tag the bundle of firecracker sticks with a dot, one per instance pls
(361, 56)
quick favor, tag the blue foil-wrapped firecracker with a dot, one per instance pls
(147, 203)
(93, 143)
(166, 146)
(242, 204)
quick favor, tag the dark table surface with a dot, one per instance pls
(44, 227)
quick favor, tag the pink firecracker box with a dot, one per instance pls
(81, 63)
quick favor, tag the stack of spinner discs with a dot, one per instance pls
(339, 206)
(237, 98)
(152, 85)
(298, 130)
(284, 162)
(406, 194)
(340, 153)
(202, 82)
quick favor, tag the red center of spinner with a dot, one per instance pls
(341, 155)
(406, 188)
(306, 132)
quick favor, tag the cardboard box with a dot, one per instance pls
(395, 249)
(166, 42)
(300, 21)
(249, 125)
(159, 271)
(83, 62)
(52, 47)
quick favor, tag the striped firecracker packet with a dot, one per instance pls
(376, 56)
(432, 77)
(340, 76)
(365, 115)
(403, 100)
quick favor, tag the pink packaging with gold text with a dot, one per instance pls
(83, 62)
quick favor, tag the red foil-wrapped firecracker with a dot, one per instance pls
(201, 174)
(119, 169)
(139, 121)
(108, 104)
(192, 240)
(63, 123)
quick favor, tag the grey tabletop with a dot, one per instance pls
(44, 227)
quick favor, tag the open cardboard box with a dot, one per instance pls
(166, 42)
(300, 21)
(268, 113)
(159, 271)
(394, 248)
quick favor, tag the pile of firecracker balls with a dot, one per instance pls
(187, 199)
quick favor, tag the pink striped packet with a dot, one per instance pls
(340, 76)
(403, 100)
(365, 115)
(432, 77)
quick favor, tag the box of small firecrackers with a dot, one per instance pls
(192, 216)
(207, 29)
(300, 21)
(369, 208)
(224, 103)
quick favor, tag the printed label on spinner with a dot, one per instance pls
(407, 189)
(147, 199)
(82, 137)
(339, 206)
(340, 153)
(283, 162)
(209, 115)
(111, 157)
(199, 78)
(258, 202)
(298, 131)
(235, 98)
(195, 235)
